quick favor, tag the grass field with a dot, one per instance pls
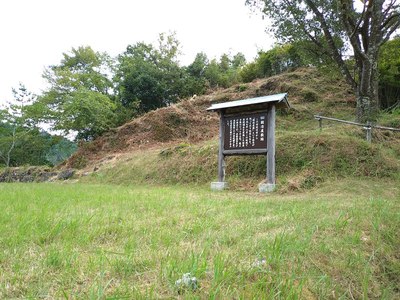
(90, 241)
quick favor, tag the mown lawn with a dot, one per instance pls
(104, 241)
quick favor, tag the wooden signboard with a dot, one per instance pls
(247, 127)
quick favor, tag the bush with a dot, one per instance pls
(309, 95)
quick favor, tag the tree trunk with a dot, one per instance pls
(8, 157)
(367, 90)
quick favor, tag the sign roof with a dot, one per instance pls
(280, 99)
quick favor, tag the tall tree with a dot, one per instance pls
(198, 66)
(79, 98)
(225, 71)
(15, 125)
(196, 80)
(365, 26)
(8, 136)
(150, 77)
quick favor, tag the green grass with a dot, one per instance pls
(105, 241)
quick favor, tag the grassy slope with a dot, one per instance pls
(97, 241)
(178, 144)
(303, 161)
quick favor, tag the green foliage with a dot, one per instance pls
(87, 112)
(60, 151)
(150, 77)
(198, 66)
(214, 74)
(32, 146)
(15, 124)
(22, 142)
(17, 109)
(330, 26)
(295, 21)
(250, 72)
(196, 71)
(225, 72)
(389, 69)
(79, 98)
(279, 59)
(389, 62)
(8, 136)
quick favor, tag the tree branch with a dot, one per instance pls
(351, 30)
(331, 44)
(386, 23)
(376, 33)
(365, 29)
(357, 27)
(386, 37)
(302, 25)
(392, 6)
(11, 147)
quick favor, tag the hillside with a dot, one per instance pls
(178, 144)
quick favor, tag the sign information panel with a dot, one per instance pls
(244, 132)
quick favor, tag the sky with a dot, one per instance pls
(35, 33)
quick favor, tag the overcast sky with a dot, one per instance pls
(35, 33)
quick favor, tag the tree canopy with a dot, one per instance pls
(331, 26)
(22, 142)
(275, 61)
(150, 77)
(79, 98)
(147, 77)
(389, 70)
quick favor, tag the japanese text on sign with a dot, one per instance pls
(245, 132)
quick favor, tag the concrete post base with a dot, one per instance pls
(219, 186)
(266, 187)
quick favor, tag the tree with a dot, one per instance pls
(214, 74)
(198, 66)
(150, 77)
(196, 80)
(225, 71)
(32, 147)
(389, 70)
(60, 151)
(14, 124)
(275, 61)
(238, 60)
(328, 23)
(8, 137)
(80, 95)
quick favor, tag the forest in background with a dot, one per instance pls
(90, 92)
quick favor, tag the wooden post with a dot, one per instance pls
(368, 128)
(319, 121)
(221, 157)
(271, 146)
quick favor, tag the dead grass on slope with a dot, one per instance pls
(188, 121)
